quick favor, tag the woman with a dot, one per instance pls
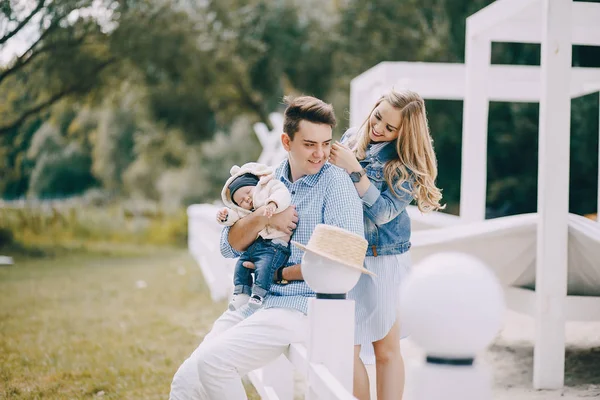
(391, 161)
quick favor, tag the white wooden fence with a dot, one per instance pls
(325, 360)
(456, 286)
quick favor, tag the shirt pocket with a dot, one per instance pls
(376, 175)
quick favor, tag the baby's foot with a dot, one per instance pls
(255, 301)
(238, 300)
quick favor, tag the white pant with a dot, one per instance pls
(234, 347)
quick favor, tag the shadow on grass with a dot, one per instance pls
(16, 249)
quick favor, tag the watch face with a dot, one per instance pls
(355, 176)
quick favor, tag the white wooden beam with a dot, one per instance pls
(578, 308)
(446, 81)
(553, 196)
(584, 81)
(598, 195)
(585, 23)
(526, 26)
(516, 31)
(474, 133)
(496, 13)
(365, 89)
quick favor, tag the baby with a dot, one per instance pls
(250, 187)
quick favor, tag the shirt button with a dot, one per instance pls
(293, 192)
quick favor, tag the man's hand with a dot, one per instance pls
(249, 265)
(222, 215)
(291, 273)
(286, 221)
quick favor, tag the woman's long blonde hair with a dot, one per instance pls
(413, 147)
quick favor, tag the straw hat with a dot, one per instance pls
(338, 245)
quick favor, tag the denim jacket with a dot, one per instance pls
(386, 221)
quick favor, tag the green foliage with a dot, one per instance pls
(113, 146)
(157, 155)
(41, 74)
(155, 99)
(445, 122)
(584, 154)
(6, 237)
(67, 224)
(224, 151)
(63, 174)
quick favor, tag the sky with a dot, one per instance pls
(19, 43)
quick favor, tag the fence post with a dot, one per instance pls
(452, 305)
(331, 320)
(331, 339)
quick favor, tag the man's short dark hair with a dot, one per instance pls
(306, 108)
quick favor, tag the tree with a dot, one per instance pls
(61, 168)
(113, 144)
(67, 58)
(258, 52)
(86, 46)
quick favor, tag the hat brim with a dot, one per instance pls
(329, 257)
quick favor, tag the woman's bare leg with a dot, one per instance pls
(389, 366)
(361, 378)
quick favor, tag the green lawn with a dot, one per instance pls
(92, 325)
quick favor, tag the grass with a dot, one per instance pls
(110, 324)
(55, 226)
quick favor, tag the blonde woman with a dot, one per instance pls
(391, 161)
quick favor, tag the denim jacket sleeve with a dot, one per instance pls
(226, 250)
(383, 206)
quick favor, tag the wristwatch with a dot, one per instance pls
(279, 277)
(355, 176)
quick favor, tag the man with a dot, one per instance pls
(242, 340)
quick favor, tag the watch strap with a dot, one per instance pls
(279, 276)
(357, 175)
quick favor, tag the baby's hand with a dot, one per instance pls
(270, 210)
(222, 215)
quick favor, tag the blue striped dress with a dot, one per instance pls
(377, 297)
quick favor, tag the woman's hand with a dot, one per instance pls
(343, 157)
(285, 221)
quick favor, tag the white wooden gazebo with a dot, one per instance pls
(557, 25)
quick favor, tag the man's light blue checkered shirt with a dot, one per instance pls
(328, 197)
